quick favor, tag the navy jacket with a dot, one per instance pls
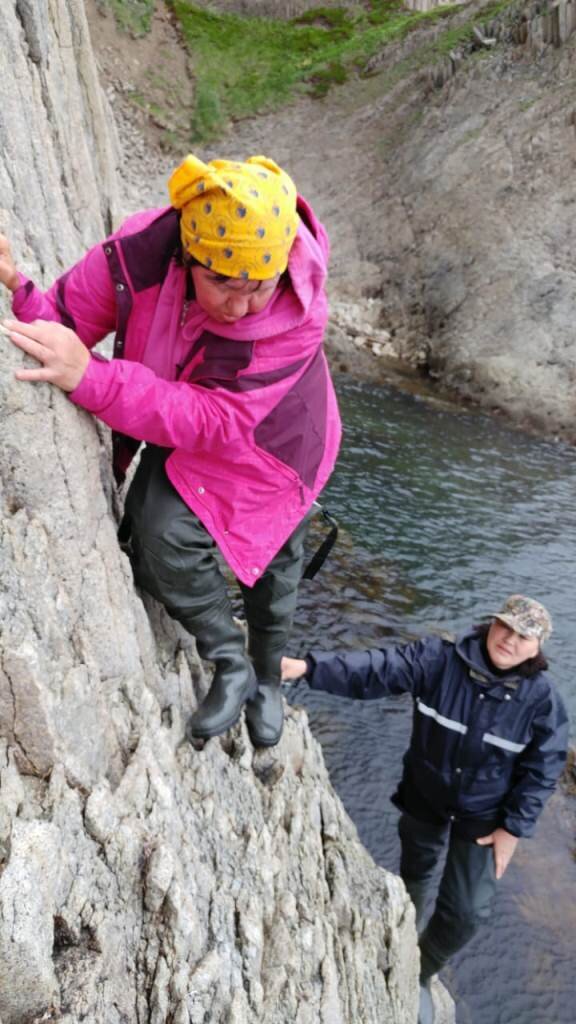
(484, 745)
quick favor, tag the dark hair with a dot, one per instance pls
(186, 260)
(527, 668)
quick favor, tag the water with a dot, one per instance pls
(459, 511)
(444, 513)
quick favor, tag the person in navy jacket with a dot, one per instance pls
(488, 745)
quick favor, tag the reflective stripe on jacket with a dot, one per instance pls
(482, 746)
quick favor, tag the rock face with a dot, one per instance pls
(478, 211)
(445, 184)
(59, 159)
(447, 191)
(141, 882)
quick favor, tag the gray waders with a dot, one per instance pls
(269, 608)
(465, 895)
(174, 559)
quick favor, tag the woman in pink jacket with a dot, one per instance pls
(219, 309)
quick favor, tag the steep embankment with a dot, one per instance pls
(478, 209)
(448, 190)
(140, 881)
(443, 168)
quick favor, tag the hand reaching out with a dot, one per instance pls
(63, 357)
(292, 669)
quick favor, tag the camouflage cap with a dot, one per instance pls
(525, 616)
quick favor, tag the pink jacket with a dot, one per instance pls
(248, 408)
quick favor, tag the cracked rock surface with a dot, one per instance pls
(141, 881)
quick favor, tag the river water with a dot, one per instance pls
(443, 513)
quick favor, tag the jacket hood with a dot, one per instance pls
(290, 306)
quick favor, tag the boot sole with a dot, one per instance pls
(211, 733)
(256, 742)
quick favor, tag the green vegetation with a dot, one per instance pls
(133, 16)
(438, 48)
(247, 65)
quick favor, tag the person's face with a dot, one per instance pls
(227, 299)
(507, 648)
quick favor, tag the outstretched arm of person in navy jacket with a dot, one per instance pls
(539, 768)
(369, 675)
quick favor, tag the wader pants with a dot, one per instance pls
(174, 559)
(466, 893)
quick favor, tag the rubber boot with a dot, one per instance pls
(430, 963)
(418, 892)
(269, 608)
(265, 714)
(426, 1006)
(234, 682)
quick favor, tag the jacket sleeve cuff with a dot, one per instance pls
(93, 390)
(313, 659)
(21, 296)
(518, 827)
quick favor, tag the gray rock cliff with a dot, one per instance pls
(446, 186)
(141, 882)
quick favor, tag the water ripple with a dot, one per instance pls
(459, 510)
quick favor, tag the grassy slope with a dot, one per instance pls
(133, 16)
(246, 65)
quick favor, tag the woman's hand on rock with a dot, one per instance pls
(63, 357)
(8, 271)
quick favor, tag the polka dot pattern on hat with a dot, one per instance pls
(239, 219)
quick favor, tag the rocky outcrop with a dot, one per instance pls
(141, 881)
(59, 158)
(480, 192)
(446, 185)
(444, 177)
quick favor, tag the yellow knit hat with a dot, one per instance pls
(238, 219)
